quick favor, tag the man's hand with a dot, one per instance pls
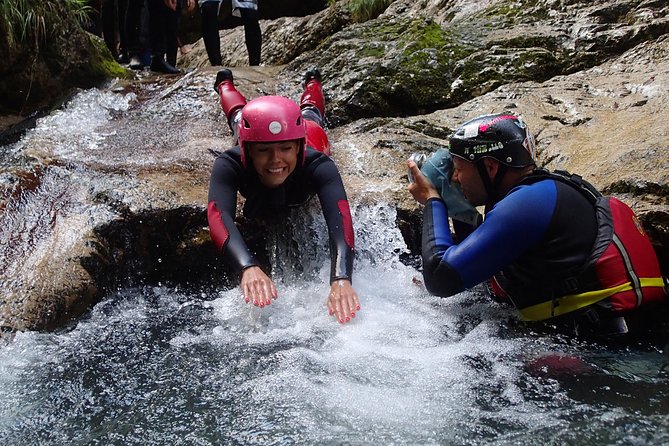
(343, 300)
(257, 287)
(421, 189)
(172, 4)
(190, 5)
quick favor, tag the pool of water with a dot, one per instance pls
(157, 366)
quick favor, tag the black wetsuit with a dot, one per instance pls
(317, 176)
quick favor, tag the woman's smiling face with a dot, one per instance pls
(274, 161)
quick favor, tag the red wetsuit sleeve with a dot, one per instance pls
(221, 210)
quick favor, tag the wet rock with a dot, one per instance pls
(418, 57)
(605, 123)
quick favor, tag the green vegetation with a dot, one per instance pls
(518, 10)
(43, 43)
(363, 10)
(31, 21)
(425, 65)
(103, 66)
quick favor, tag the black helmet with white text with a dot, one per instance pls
(504, 137)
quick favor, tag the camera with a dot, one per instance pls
(419, 159)
(438, 169)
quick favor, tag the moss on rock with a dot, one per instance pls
(35, 73)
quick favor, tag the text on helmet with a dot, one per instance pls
(483, 148)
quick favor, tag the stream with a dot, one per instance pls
(157, 364)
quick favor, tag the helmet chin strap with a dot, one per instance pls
(491, 186)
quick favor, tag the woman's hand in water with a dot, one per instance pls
(257, 287)
(343, 300)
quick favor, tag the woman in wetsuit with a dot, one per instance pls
(276, 166)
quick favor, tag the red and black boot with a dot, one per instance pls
(231, 99)
(313, 93)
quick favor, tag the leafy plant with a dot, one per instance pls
(363, 10)
(30, 21)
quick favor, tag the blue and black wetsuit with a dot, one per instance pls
(317, 176)
(533, 229)
(553, 246)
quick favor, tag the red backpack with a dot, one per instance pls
(623, 259)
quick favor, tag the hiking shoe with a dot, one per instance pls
(160, 65)
(312, 74)
(223, 75)
(136, 63)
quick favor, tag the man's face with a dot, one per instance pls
(274, 161)
(467, 175)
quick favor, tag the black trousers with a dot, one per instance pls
(252, 33)
(133, 26)
(163, 27)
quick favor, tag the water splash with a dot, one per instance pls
(157, 366)
(73, 131)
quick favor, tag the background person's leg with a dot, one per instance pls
(159, 15)
(212, 42)
(171, 34)
(109, 15)
(252, 35)
(133, 22)
(122, 7)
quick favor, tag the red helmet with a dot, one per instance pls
(271, 119)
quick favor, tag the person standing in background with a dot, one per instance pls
(113, 28)
(133, 32)
(94, 22)
(163, 26)
(247, 10)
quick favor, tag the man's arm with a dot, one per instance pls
(511, 228)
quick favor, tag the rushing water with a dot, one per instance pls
(156, 366)
(165, 366)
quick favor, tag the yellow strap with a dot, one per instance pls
(572, 302)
